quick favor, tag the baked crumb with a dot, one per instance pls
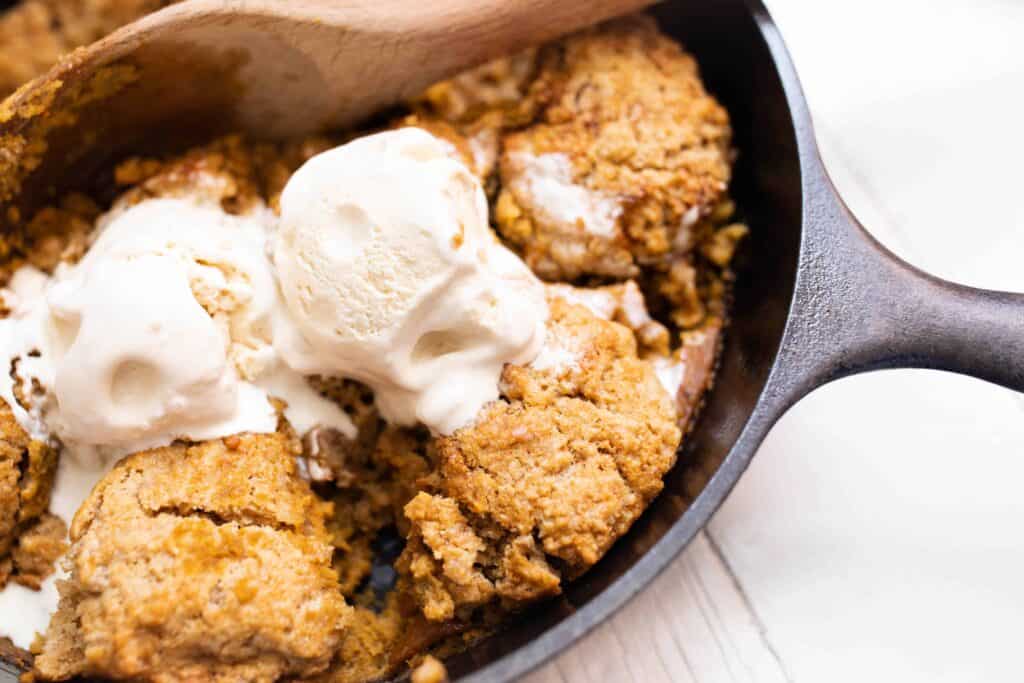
(36, 33)
(30, 538)
(627, 152)
(54, 235)
(497, 86)
(430, 670)
(481, 104)
(686, 371)
(39, 547)
(593, 432)
(443, 558)
(344, 559)
(624, 303)
(177, 575)
(384, 480)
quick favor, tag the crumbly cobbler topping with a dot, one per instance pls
(343, 557)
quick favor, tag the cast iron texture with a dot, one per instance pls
(817, 299)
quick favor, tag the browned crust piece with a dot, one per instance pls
(30, 539)
(180, 575)
(547, 479)
(232, 171)
(481, 104)
(626, 106)
(499, 85)
(36, 33)
(623, 303)
(430, 670)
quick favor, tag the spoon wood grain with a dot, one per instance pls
(271, 68)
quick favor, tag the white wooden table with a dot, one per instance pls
(879, 533)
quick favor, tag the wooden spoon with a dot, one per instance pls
(270, 68)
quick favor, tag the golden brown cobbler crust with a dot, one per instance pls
(626, 106)
(506, 522)
(31, 539)
(179, 575)
(36, 33)
(272, 563)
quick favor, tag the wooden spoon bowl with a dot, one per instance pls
(268, 68)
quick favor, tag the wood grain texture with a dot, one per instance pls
(341, 60)
(267, 68)
(692, 624)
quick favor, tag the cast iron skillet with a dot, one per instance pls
(817, 299)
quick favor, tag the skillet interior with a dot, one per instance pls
(738, 68)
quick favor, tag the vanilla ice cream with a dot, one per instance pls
(392, 277)
(185, 322)
(146, 329)
(163, 331)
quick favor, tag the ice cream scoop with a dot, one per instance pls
(392, 276)
(145, 328)
(163, 331)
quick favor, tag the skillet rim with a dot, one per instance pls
(775, 396)
(783, 386)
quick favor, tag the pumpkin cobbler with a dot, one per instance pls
(329, 408)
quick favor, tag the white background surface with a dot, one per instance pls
(879, 533)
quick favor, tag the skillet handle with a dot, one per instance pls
(858, 308)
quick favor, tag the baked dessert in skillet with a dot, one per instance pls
(321, 407)
(36, 33)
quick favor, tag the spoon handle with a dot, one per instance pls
(473, 31)
(461, 31)
(548, 17)
(345, 58)
(267, 68)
